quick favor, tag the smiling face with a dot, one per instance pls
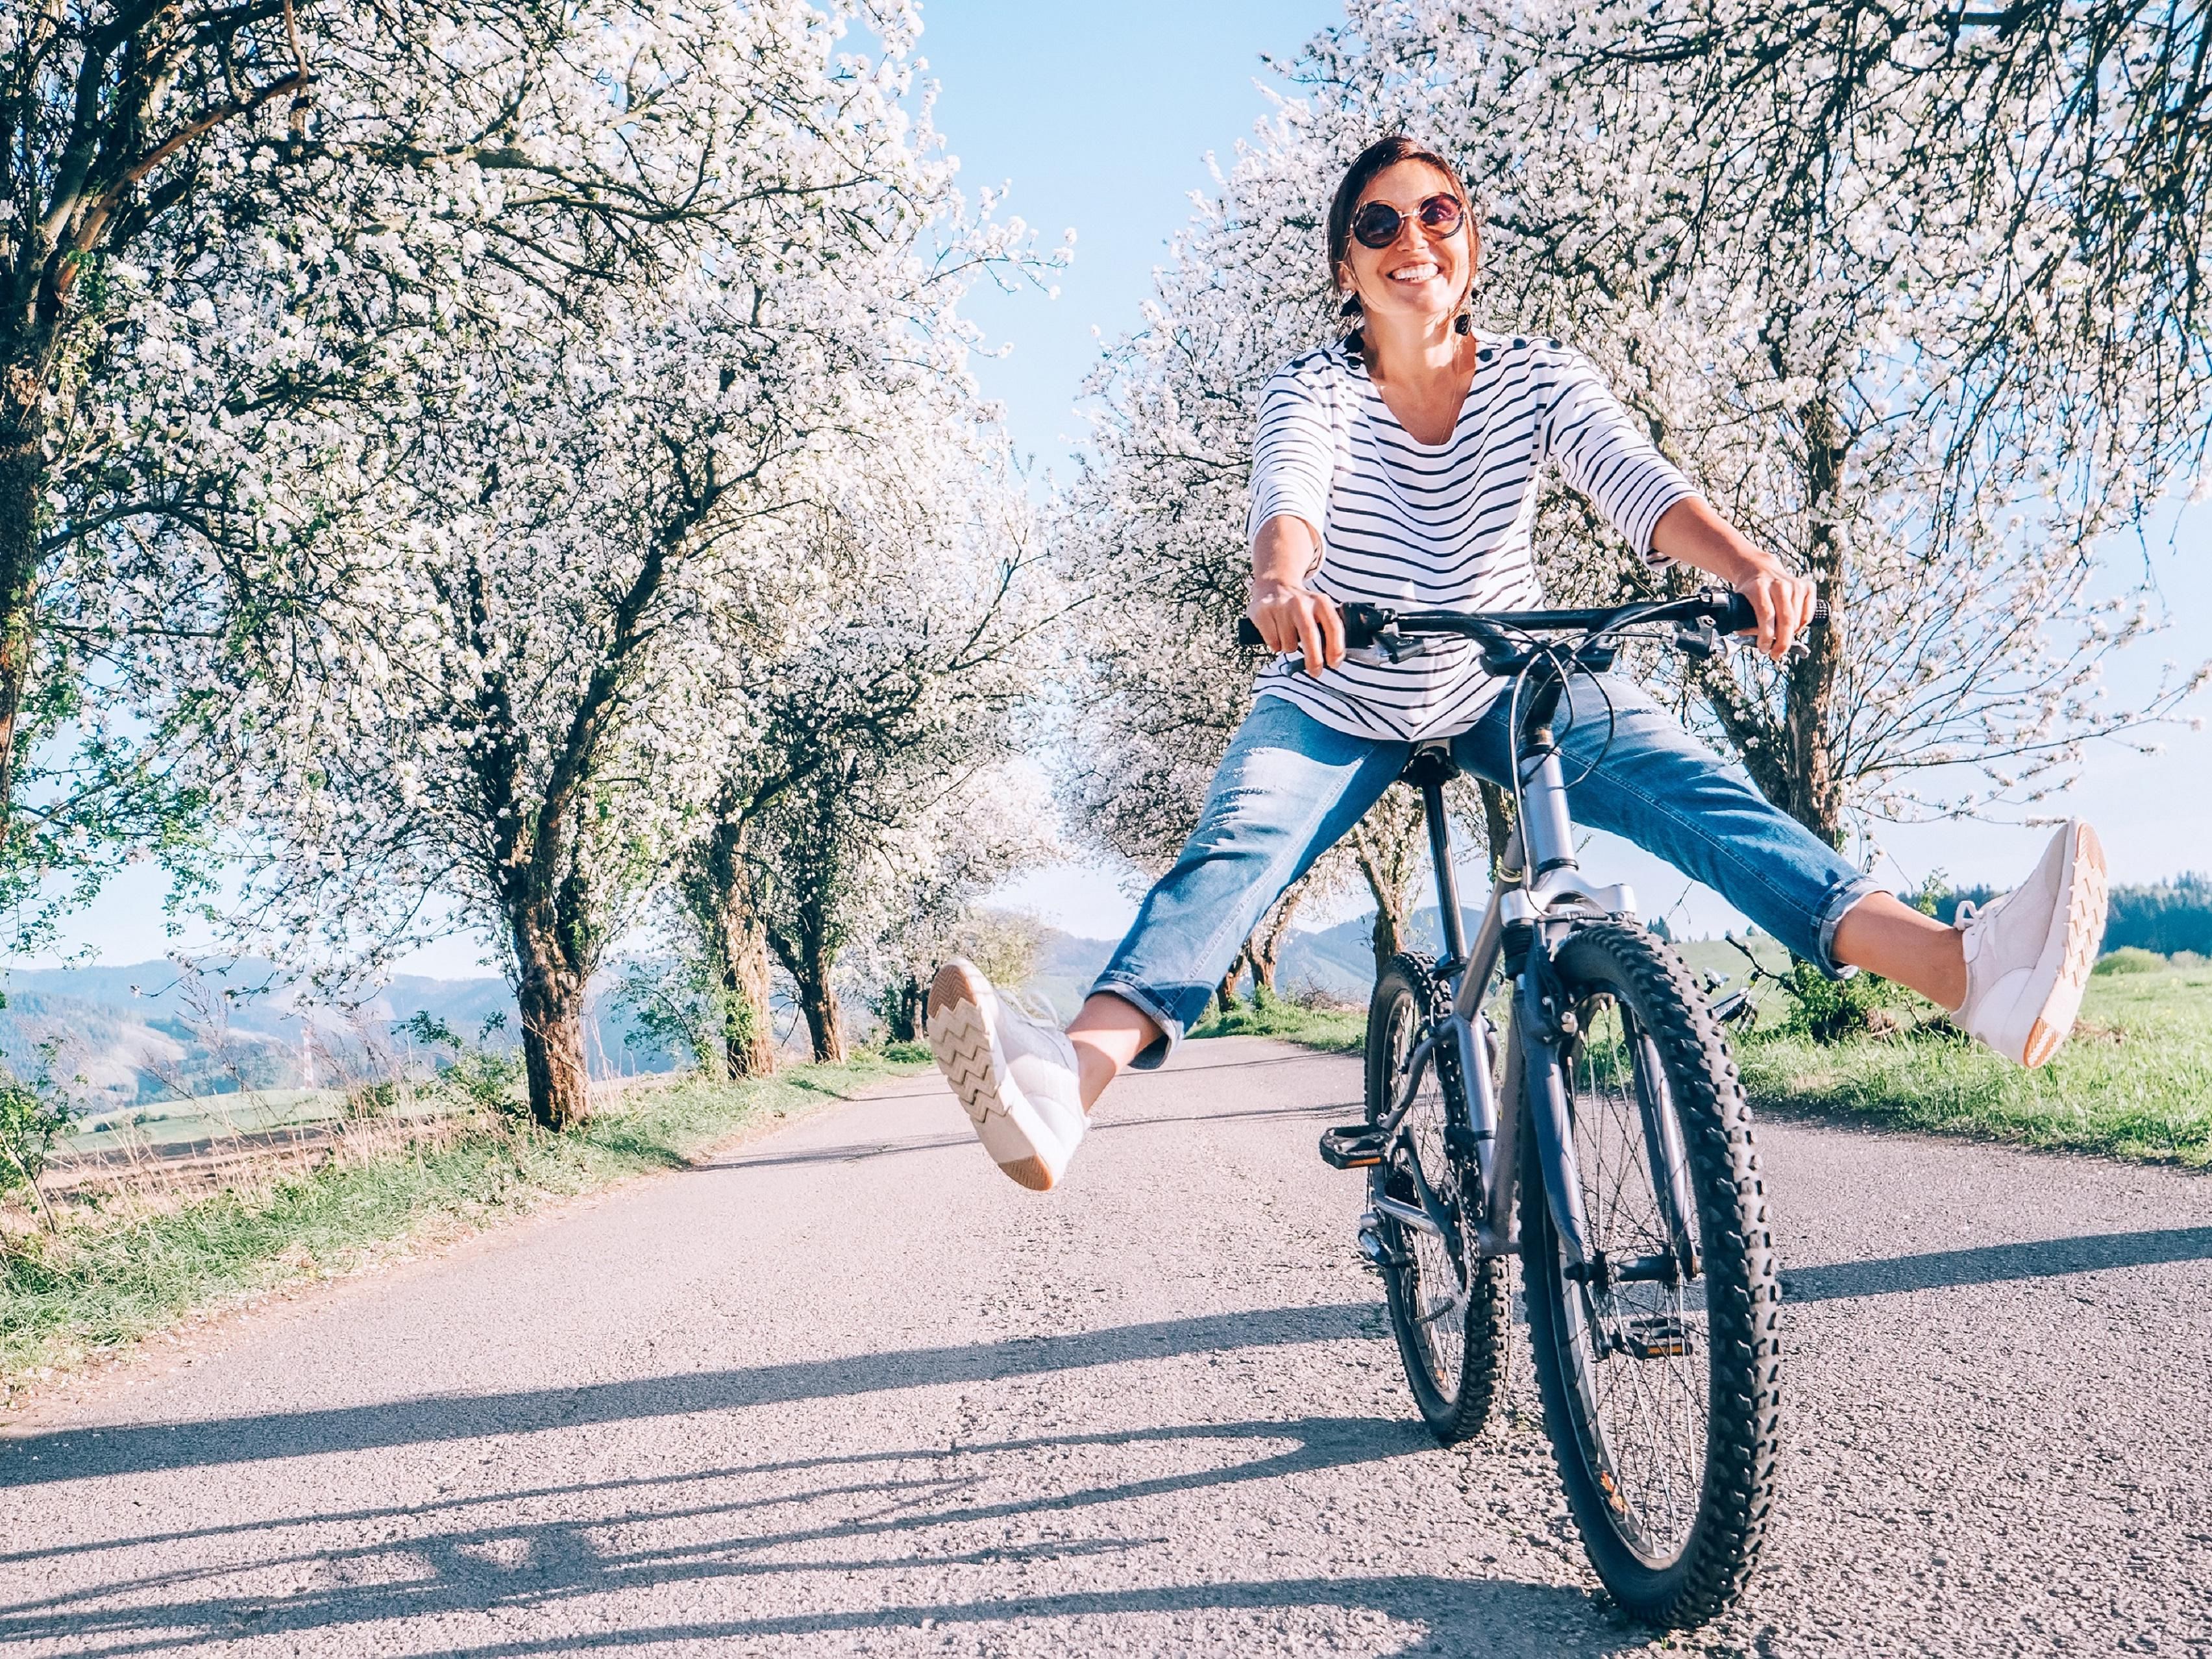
(1420, 276)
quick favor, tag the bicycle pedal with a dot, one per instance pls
(1656, 1336)
(1378, 1254)
(1354, 1146)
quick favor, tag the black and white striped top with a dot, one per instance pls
(1408, 524)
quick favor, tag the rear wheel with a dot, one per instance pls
(1448, 1306)
(1660, 1368)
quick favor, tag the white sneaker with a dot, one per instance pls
(2028, 954)
(1016, 1076)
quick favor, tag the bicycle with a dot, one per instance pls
(1569, 1056)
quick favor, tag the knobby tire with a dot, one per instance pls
(1741, 1296)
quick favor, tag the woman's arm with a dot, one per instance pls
(1691, 531)
(1290, 616)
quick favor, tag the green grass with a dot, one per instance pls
(1334, 1030)
(105, 1281)
(2136, 1081)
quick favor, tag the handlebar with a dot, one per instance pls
(1366, 625)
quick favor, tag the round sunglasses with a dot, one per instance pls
(1376, 223)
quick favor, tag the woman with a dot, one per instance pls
(1401, 466)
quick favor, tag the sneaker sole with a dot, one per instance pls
(2085, 927)
(960, 1038)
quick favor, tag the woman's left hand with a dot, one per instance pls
(1783, 601)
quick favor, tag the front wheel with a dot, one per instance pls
(1659, 1363)
(1448, 1306)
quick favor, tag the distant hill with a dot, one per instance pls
(151, 1031)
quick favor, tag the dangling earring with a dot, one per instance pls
(1352, 311)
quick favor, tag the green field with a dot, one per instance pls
(2136, 1082)
(110, 1276)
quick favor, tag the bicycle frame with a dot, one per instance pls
(1539, 895)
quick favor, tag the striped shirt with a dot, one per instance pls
(1408, 524)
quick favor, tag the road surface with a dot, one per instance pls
(848, 1390)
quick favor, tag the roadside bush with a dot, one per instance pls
(2130, 959)
(1836, 1010)
(31, 1120)
(476, 1076)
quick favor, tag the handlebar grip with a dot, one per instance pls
(1736, 615)
(1362, 624)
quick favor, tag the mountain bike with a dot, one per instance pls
(1567, 1056)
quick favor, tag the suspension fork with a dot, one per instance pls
(1664, 1153)
(1544, 1089)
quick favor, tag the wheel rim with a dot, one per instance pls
(1642, 1368)
(1431, 1285)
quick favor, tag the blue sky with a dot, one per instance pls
(1100, 119)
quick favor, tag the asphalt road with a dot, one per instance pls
(849, 1390)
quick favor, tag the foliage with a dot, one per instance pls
(678, 1002)
(2130, 959)
(1333, 1030)
(32, 1117)
(2135, 1081)
(488, 1079)
(1828, 1010)
(2167, 917)
(873, 792)
(1865, 370)
(463, 621)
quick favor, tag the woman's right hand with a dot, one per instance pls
(1290, 616)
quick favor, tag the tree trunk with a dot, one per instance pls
(825, 1017)
(550, 991)
(1264, 950)
(1225, 994)
(1497, 821)
(714, 888)
(902, 1009)
(1815, 795)
(741, 953)
(22, 477)
(1389, 844)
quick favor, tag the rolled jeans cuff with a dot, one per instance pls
(1154, 1054)
(1840, 899)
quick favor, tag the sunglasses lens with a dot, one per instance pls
(1376, 225)
(1441, 214)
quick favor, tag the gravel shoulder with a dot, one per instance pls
(846, 1389)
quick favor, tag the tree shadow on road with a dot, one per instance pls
(80, 1453)
(531, 1552)
(1991, 1264)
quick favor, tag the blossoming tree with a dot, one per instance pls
(494, 690)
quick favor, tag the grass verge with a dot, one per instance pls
(1333, 1030)
(2136, 1081)
(107, 1281)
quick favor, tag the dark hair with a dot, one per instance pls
(1382, 154)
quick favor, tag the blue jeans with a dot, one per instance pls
(1289, 788)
